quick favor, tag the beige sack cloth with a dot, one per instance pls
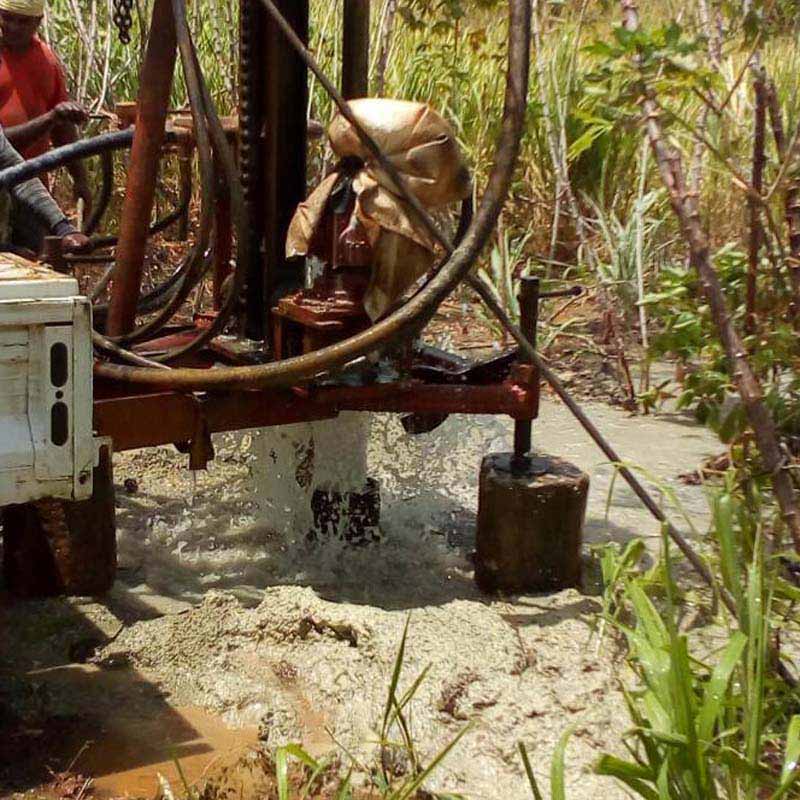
(423, 147)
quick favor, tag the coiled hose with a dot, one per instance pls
(406, 321)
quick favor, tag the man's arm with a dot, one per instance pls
(63, 117)
(22, 135)
(33, 196)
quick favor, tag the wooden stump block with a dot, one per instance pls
(530, 525)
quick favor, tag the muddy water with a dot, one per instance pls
(113, 725)
(190, 737)
(216, 610)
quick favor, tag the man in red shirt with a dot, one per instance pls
(35, 108)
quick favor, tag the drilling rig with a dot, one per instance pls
(84, 376)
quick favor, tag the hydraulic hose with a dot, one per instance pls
(225, 159)
(61, 156)
(104, 145)
(158, 226)
(104, 195)
(409, 319)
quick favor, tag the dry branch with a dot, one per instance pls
(753, 208)
(686, 207)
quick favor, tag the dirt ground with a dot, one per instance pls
(224, 632)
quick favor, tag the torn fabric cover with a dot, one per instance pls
(423, 147)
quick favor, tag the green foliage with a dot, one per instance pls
(707, 721)
(557, 769)
(668, 58)
(688, 332)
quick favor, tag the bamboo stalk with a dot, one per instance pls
(792, 202)
(387, 28)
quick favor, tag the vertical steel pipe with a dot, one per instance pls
(251, 134)
(529, 322)
(273, 97)
(155, 84)
(285, 124)
(355, 49)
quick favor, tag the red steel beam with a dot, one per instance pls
(155, 84)
(154, 419)
(515, 400)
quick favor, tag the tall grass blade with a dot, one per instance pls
(523, 751)
(715, 693)
(408, 790)
(282, 773)
(634, 776)
(791, 760)
(391, 698)
(557, 768)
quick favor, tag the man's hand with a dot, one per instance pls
(74, 242)
(82, 191)
(70, 112)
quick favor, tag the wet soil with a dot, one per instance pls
(222, 631)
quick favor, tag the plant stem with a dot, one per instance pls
(753, 210)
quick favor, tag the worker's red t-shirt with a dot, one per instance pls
(31, 84)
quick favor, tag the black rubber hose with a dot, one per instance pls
(225, 158)
(103, 144)
(158, 226)
(408, 320)
(104, 195)
(61, 156)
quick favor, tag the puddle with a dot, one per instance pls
(191, 737)
(121, 732)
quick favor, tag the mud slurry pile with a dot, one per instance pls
(299, 638)
(224, 604)
(298, 666)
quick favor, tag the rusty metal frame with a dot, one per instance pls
(273, 160)
(129, 420)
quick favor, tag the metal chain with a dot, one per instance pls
(123, 19)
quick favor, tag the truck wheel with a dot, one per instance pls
(57, 547)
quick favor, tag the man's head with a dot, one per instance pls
(19, 21)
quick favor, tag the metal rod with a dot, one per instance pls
(153, 102)
(529, 322)
(282, 177)
(355, 49)
(252, 76)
